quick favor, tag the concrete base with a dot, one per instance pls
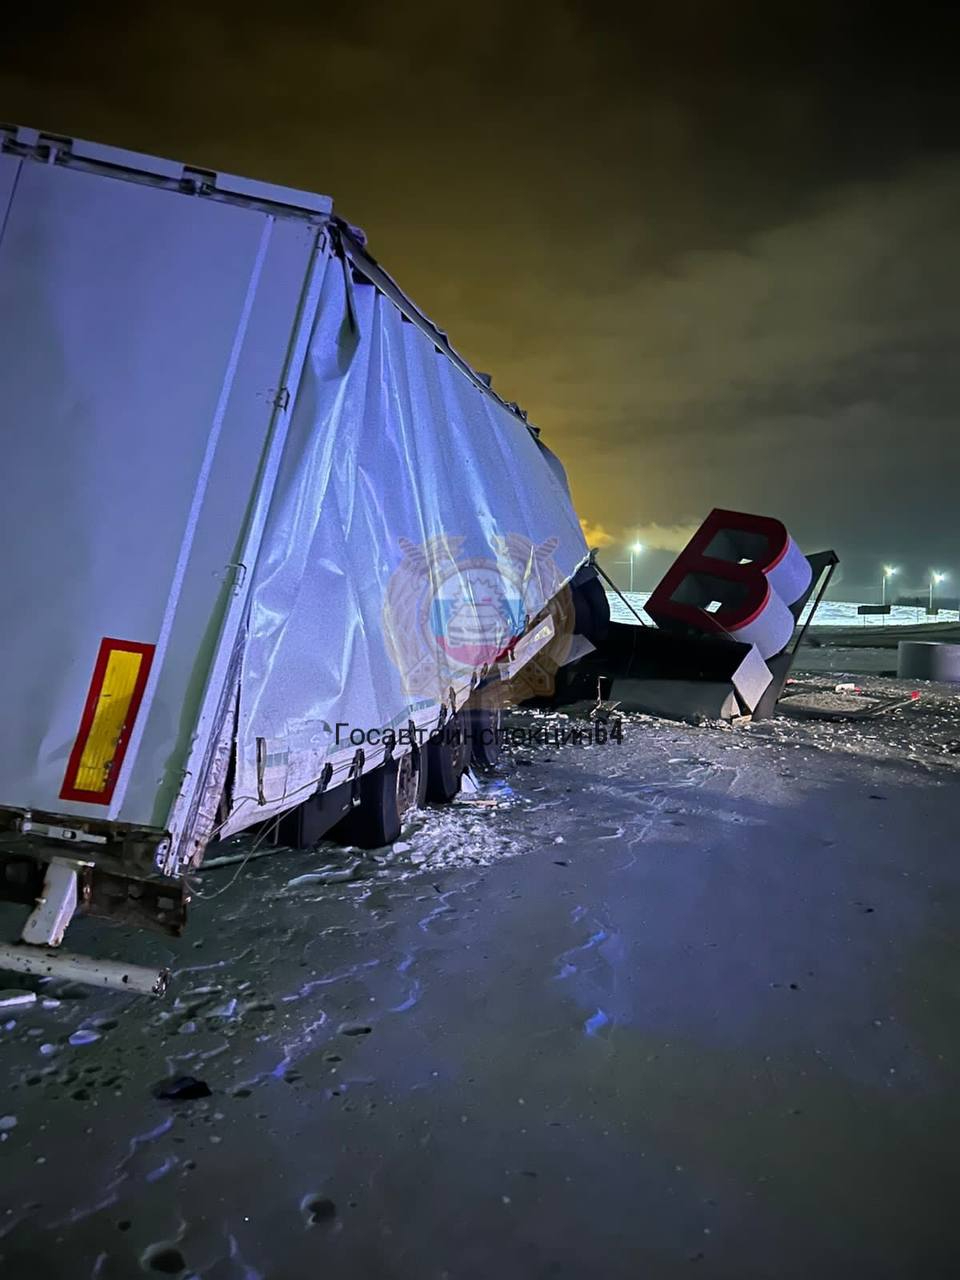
(928, 660)
(677, 699)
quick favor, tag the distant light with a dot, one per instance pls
(939, 577)
(888, 571)
(637, 548)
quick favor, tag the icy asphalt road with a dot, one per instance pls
(684, 1006)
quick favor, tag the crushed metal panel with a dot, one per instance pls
(751, 679)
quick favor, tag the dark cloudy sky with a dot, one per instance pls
(714, 248)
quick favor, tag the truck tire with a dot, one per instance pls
(387, 794)
(483, 726)
(448, 753)
(591, 610)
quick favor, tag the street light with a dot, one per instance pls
(888, 572)
(935, 580)
(636, 548)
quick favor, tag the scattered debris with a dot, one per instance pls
(602, 712)
(181, 1089)
(13, 998)
(163, 1257)
(843, 703)
(353, 870)
(317, 1210)
(248, 855)
(85, 1035)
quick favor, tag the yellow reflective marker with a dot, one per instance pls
(113, 701)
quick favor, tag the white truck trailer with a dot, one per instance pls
(264, 533)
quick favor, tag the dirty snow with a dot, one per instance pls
(621, 1010)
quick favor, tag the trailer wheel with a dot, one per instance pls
(448, 753)
(483, 724)
(387, 794)
(591, 610)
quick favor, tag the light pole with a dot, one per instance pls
(888, 572)
(935, 580)
(635, 549)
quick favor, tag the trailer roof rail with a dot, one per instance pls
(53, 148)
(60, 149)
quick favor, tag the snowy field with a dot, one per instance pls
(832, 613)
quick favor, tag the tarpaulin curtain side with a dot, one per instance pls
(401, 484)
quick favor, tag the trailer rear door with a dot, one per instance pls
(146, 333)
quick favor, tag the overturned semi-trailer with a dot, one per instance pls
(267, 537)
